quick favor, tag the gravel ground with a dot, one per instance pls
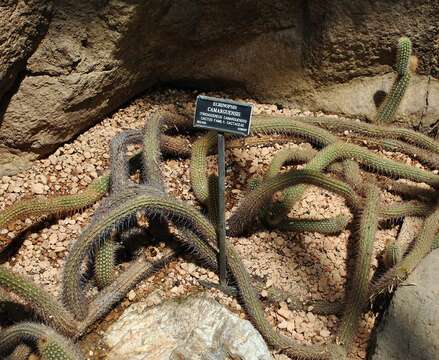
(310, 265)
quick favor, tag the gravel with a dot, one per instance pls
(310, 265)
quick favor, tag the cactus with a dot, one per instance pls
(40, 301)
(57, 204)
(341, 151)
(258, 198)
(280, 125)
(21, 352)
(50, 345)
(326, 226)
(120, 170)
(396, 249)
(356, 297)
(424, 156)
(105, 262)
(388, 108)
(370, 130)
(404, 52)
(422, 246)
(152, 174)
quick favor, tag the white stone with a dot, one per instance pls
(193, 328)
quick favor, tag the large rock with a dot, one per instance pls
(98, 54)
(194, 328)
(410, 327)
(22, 24)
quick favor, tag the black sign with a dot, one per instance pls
(223, 115)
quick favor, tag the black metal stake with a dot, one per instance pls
(221, 231)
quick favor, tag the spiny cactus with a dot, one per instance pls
(388, 108)
(341, 151)
(404, 52)
(356, 298)
(370, 130)
(120, 170)
(396, 249)
(422, 155)
(50, 345)
(57, 204)
(325, 226)
(422, 246)
(40, 301)
(259, 197)
(21, 352)
(105, 262)
(279, 125)
(152, 173)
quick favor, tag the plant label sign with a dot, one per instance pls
(223, 115)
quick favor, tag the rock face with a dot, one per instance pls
(195, 328)
(64, 67)
(410, 327)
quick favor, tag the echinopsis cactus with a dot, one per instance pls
(387, 110)
(128, 200)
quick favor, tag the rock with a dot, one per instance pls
(96, 55)
(409, 328)
(193, 328)
(419, 107)
(37, 188)
(23, 24)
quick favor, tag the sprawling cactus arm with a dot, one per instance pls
(21, 352)
(138, 270)
(424, 156)
(149, 202)
(400, 210)
(390, 104)
(198, 169)
(57, 204)
(435, 243)
(120, 170)
(410, 190)
(342, 151)
(212, 205)
(396, 249)
(175, 146)
(259, 197)
(422, 246)
(50, 345)
(388, 108)
(105, 262)
(374, 131)
(41, 302)
(256, 313)
(352, 174)
(404, 51)
(356, 297)
(325, 226)
(260, 125)
(152, 174)
(289, 155)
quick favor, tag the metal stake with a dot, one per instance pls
(221, 230)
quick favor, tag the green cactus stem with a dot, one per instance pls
(40, 301)
(50, 345)
(357, 293)
(421, 247)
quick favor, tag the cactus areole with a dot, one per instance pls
(223, 116)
